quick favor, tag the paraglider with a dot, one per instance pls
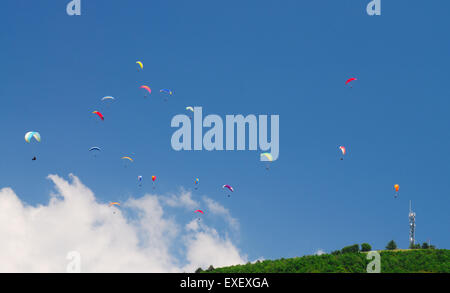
(396, 188)
(229, 188)
(190, 109)
(32, 134)
(153, 179)
(29, 136)
(95, 150)
(266, 157)
(350, 80)
(113, 204)
(196, 181)
(343, 151)
(140, 178)
(147, 89)
(127, 158)
(99, 115)
(166, 91)
(199, 211)
(108, 98)
(141, 65)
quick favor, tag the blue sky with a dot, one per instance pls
(288, 58)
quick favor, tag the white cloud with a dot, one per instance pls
(320, 252)
(218, 209)
(183, 200)
(136, 237)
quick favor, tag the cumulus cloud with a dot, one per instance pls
(138, 236)
(216, 208)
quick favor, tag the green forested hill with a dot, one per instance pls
(396, 261)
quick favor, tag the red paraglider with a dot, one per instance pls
(350, 80)
(99, 114)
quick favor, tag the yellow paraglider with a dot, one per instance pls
(128, 158)
(141, 65)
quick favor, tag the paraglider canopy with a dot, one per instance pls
(146, 88)
(266, 157)
(199, 211)
(167, 91)
(99, 114)
(94, 149)
(127, 158)
(32, 134)
(228, 187)
(153, 178)
(141, 65)
(350, 80)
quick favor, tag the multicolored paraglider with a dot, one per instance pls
(32, 134)
(266, 157)
(114, 204)
(396, 188)
(147, 89)
(226, 186)
(154, 179)
(29, 136)
(108, 98)
(167, 92)
(343, 151)
(99, 115)
(196, 181)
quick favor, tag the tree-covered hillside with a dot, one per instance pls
(392, 261)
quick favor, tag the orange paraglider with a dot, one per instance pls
(396, 188)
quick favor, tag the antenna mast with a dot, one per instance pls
(412, 227)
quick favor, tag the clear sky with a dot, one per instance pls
(288, 58)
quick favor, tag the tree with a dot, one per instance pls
(211, 268)
(351, 249)
(391, 245)
(199, 270)
(425, 245)
(366, 247)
